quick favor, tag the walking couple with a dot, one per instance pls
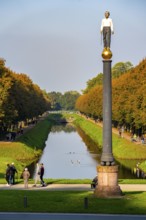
(10, 174)
(39, 174)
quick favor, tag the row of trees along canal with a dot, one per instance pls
(128, 97)
(22, 100)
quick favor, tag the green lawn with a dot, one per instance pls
(26, 149)
(143, 165)
(71, 202)
(122, 148)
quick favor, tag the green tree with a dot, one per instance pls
(64, 101)
(55, 98)
(121, 68)
(69, 99)
(98, 80)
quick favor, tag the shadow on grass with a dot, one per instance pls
(72, 202)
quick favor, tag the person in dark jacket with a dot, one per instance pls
(42, 174)
(9, 175)
(94, 182)
(14, 171)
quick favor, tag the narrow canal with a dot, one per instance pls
(71, 154)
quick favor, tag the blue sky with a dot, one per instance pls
(57, 43)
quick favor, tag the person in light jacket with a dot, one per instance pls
(26, 175)
(37, 174)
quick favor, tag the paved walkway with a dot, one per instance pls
(80, 187)
(66, 216)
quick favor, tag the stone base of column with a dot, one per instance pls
(107, 182)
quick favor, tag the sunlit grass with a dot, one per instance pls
(26, 149)
(71, 202)
(143, 165)
(16, 150)
(122, 148)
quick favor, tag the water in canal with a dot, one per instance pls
(71, 154)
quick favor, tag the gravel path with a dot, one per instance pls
(80, 187)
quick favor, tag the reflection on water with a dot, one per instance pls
(67, 156)
(129, 169)
(69, 153)
(68, 128)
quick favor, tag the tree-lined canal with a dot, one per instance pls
(71, 154)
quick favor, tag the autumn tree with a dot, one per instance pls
(128, 99)
(20, 99)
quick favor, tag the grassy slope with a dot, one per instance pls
(122, 148)
(143, 166)
(26, 149)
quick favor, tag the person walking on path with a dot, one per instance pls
(37, 174)
(8, 175)
(13, 173)
(42, 174)
(26, 176)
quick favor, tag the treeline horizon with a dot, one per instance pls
(128, 97)
(22, 101)
(63, 101)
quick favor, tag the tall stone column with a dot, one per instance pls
(107, 156)
(107, 171)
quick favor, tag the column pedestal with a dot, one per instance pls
(107, 182)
